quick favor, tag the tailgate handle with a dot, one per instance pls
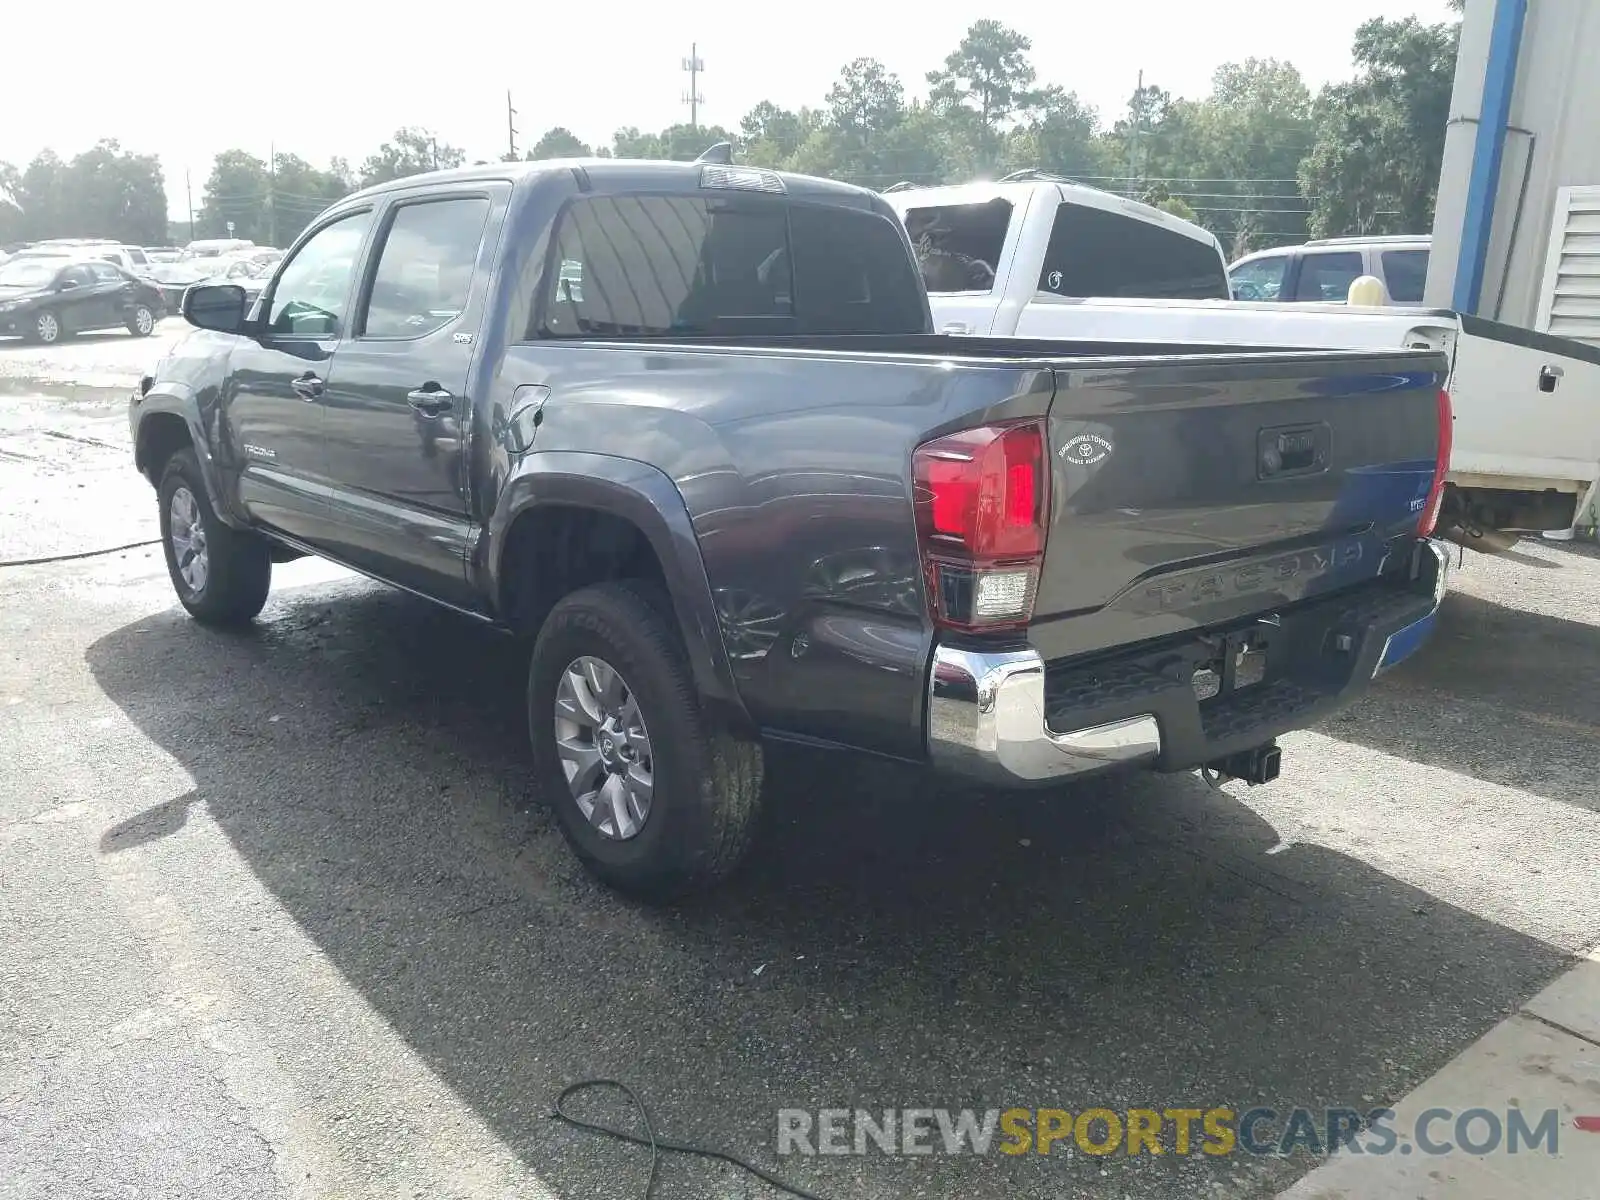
(1292, 450)
(1549, 376)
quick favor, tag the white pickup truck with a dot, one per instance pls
(1037, 257)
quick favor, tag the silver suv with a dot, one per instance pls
(1322, 271)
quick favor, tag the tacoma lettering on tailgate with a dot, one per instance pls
(1216, 583)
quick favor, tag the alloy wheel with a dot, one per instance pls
(188, 537)
(604, 747)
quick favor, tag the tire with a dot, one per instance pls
(235, 568)
(705, 789)
(142, 321)
(47, 328)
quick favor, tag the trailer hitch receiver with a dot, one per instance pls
(1255, 766)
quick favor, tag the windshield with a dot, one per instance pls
(29, 272)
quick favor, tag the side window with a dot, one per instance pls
(138, 256)
(425, 267)
(77, 276)
(958, 245)
(657, 266)
(1258, 279)
(1095, 252)
(1327, 277)
(105, 273)
(313, 288)
(1405, 275)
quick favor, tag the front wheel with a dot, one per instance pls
(142, 321)
(221, 575)
(655, 799)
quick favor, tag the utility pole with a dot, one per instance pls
(1135, 168)
(511, 127)
(272, 194)
(694, 65)
(189, 193)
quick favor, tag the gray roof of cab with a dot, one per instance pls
(635, 170)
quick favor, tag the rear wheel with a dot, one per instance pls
(47, 328)
(221, 575)
(654, 798)
(142, 321)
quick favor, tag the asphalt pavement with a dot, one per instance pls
(279, 918)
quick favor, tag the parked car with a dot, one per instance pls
(740, 491)
(250, 272)
(1321, 272)
(130, 258)
(1526, 450)
(214, 247)
(175, 278)
(162, 254)
(46, 298)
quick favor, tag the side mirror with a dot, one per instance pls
(66, 285)
(219, 307)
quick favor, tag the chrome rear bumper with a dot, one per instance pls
(986, 722)
(987, 718)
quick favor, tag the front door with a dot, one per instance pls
(278, 380)
(396, 407)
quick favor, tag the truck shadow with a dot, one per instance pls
(892, 942)
(1499, 694)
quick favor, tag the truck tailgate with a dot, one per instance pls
(1186, 494)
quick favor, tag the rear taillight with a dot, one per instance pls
(1441, 467)
(982, 502)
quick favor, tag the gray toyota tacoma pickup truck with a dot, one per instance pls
(686, 428)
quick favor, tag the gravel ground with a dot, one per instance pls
(279, 919)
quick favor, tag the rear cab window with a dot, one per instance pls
(958, 246)
(1405, 275)
(1094, 252)
(681, 265)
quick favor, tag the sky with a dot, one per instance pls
(330, 79)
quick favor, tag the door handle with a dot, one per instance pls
(432, 400)
(307, 386)
(954, 327)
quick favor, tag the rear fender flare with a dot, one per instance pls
(646, 497)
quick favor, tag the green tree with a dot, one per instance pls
(771, 135)
(1160, 196)
(1248, 139)
(11, 214)
(118, 194)
(103, 192)
(297, 193)
(988, 75)
(1374, 167)
(1062, 138)
(559, 142)
(867, 99)
(683, 143)
(411, 151)
(235, 191)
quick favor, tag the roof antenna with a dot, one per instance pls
(721, 153)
